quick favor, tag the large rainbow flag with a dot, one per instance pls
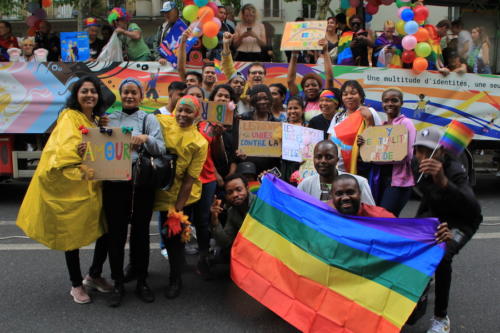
(322, 271)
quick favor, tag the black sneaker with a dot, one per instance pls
(174, 288)
(203, 269)
(116, 297)
(144, 293)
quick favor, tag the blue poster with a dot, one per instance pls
(75, 46)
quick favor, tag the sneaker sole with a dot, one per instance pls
(93, 286)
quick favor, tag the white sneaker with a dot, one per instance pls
(439, 325)
(164, 253)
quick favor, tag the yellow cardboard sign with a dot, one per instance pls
(108, 155)
(303, 35)
(260, 138)
(385, 143)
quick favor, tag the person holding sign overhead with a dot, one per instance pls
(311, 83)
(125, 203)
(183, 139)
(395, 179)
(62, 208)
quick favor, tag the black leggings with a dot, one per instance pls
(73, 261)
(117, 202)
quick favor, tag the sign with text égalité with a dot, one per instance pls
(260, 138)
(384, 143)
(108, 155)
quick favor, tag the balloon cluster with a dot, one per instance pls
(37, 15)
(203, 17)
(416, 37)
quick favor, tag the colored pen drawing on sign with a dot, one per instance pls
(217, 112)
(259, 138)
(384, 143)
(109, 155)
(303, 35)
(297, 141)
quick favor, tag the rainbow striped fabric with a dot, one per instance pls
(253, 186)
(456, 137)
(322, 271)
(218, 66)
(344, 52)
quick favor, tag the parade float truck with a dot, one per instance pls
(33, 94)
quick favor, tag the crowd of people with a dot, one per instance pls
(461, 51)
(214, 182)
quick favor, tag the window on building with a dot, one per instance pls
(309, 9)
(272, 8)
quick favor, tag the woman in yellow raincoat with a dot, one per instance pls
(62, 208)
(183, 139)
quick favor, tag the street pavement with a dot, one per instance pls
(34, 294)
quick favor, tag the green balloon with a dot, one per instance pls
(423, 49)
(210, 43)
(400, 3)
(190, 12)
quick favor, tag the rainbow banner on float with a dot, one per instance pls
(322, 271)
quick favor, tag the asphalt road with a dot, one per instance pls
(34, 294)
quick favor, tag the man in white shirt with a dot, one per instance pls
(464, 38)
(175, 92)
(325, 163)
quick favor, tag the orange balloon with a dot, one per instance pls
(350, 12)
(210, 29)
(205, 14)
(46, 3)
(422, 35)
(419, 65)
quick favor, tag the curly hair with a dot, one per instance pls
(232, 95)
(258, 89)
(72, 101)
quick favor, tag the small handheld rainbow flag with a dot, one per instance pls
(218, 67)
(254, 186)
(457, 137)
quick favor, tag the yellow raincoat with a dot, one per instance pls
(60, 210)
(191, 149)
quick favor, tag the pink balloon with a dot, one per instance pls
(400, 10)
(409, 42)
(371, 8)
(214, 7)
(31, 20)
(217, 21)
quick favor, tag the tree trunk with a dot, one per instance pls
(323, 6)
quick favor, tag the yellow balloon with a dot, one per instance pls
(400, 27)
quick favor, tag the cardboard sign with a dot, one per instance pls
(299, 36)
(260, 138)
(307, 168)
(217, 113)
(385, 143)
(75, 46)
(298, 141)
(109, 155)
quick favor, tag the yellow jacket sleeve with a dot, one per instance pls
(227, 65)
(199, 157)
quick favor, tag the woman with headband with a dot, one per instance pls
(125, 203)
(183, 139)
(328, 104)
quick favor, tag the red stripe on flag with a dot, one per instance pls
(306, 304)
